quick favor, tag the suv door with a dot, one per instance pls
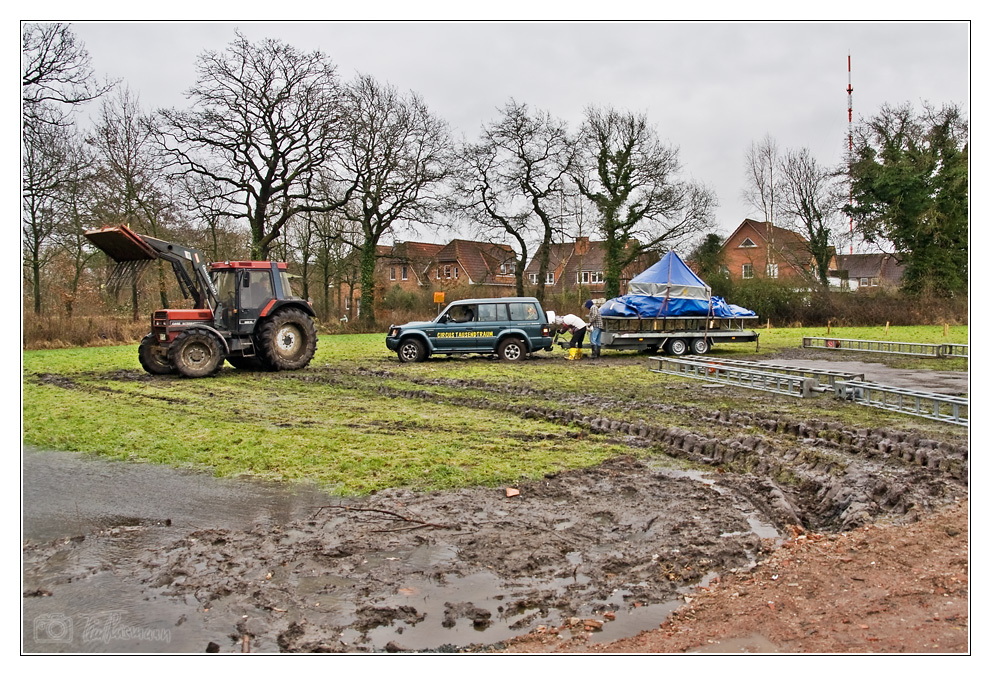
(493, 320)
(457, 333)
(526, 317)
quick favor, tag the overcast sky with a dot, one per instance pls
(710, 88)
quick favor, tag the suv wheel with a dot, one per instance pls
(412, 350)
(512, 349)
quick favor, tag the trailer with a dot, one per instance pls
(668, 307)
(676, 336)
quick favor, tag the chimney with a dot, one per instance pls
(581, 246)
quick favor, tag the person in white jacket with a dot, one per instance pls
(577, 326)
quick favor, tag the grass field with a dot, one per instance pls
(357, 420)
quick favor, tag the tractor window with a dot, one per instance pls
(224, 281)
(257, 289)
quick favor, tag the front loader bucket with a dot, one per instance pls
(121, 244)
(133, 254)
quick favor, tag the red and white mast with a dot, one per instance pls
(849, 112)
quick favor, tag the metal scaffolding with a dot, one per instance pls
(888, 347)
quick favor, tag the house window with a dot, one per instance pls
(447, 272)
(405, 273)
(864, 281)
(874, 281)
(549, 279)
(724, 270)
(748, 244)
(532, 277)
(392, 274)
(772, 270)
(588, 277)
(748, 271)
(438, 272)
(507, 269)
(455, 271)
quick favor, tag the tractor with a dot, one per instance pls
(243, 311)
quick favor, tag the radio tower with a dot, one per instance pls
(849, 112)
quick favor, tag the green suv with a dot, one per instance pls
(509, 327)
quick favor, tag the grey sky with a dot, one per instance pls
(710, 88)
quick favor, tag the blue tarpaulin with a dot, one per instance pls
(670, 289)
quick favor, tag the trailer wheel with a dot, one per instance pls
(677, 347)
(700, 346)
(152, 360)
(411, 350)
(288, 340)
(196, 353)
(512, 349)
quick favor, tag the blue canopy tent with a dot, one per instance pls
(670, 289)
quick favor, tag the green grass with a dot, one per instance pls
(348, 423)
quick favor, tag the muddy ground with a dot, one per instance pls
(856, 536)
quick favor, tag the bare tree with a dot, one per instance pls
(513, 180)
(265, 119)
(810, 196)
(399, 157)
(632, 180)
(45, 169)
(56, 74)
(761, 189)
(133, 175)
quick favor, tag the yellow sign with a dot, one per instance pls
(438, 296)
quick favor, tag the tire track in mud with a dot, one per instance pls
(809, 473)
(813, 474)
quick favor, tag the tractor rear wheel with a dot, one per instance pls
(152, 360)
(196, 353)
(288, 340)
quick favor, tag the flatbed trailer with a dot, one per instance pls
(677, 336)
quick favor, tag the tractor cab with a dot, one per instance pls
(246, 290)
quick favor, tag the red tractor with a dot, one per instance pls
(243, 311)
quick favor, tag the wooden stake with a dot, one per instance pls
(828, 326)
(886, 325)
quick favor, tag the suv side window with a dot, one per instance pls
(492, 312)
(521, 312)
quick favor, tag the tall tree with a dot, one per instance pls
(762, 187)
(909, 179)
(45, 169)
(265, 119)
(513, 180)
(810, 197)
(56, 74)
(133, 176)
(397, 160)
(632, 180)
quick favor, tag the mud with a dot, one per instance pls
(603, 552)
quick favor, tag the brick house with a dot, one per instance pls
(405, 264)
(759, 249)
(860, 272)
(469, 268)
(581, 265)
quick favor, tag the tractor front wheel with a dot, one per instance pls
(288, 340)
(196, 353)
(152, 360)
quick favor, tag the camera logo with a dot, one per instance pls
(53, 628)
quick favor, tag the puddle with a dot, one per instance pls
(350, 585)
